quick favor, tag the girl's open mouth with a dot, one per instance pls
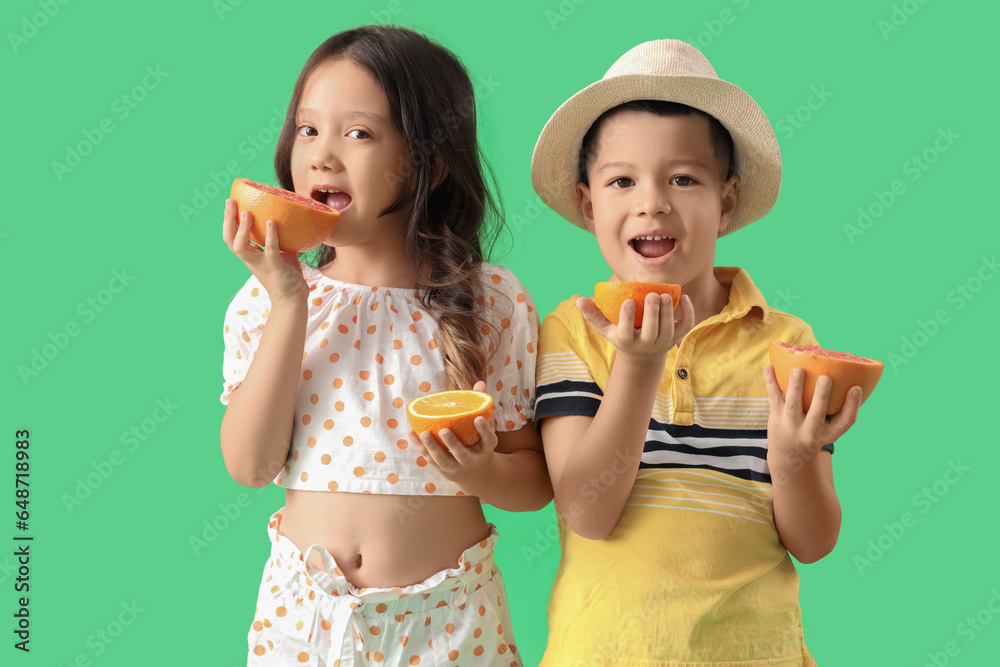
(332, 197)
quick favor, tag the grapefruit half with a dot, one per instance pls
(303, 223)
(846, 370)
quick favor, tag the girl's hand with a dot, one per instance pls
(460, 464)
(791, 430)
(279, 272)
(662, 327)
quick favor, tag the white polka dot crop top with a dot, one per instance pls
(369, 351)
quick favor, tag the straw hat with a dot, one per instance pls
(672, 71)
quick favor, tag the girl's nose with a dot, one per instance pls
(325, 156)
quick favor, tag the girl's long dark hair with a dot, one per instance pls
(433, 105)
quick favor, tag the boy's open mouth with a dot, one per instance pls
(331, 196)
(652, 247)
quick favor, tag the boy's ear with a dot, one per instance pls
(730, 196)
(586, 205)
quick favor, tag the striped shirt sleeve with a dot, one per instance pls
(564, 382)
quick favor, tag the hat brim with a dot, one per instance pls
(757, 159)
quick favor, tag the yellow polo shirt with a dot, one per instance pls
(694, 572)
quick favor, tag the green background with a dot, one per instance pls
(888, 90)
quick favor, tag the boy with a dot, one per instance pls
(683, 478)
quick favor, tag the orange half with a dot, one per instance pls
(610, 296)
(455, 410)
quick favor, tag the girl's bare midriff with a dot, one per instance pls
(381, 541)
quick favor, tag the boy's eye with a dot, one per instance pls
(683, 180)
(622, 182)
(359, 134)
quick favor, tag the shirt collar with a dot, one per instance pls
(744, 297)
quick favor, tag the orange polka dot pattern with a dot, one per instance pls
(368, 352)
(305, 615)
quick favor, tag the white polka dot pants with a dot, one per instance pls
(307, 616)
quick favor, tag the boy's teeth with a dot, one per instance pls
(653, 246)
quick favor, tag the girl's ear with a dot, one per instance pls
(440, 171)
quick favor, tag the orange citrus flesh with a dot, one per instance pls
(303, 223)
(610, 296)
(454, 410)
(846, 371)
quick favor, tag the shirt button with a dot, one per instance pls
(682, 373)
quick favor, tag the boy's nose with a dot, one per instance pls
(652, 200)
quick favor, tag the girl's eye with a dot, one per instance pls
(622, 182)
(304, 127)
(359, 134)
(682, 180)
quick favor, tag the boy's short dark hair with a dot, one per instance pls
(722, 141)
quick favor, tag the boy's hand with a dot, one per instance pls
(662, 327)
(792, 430)
(462, 465)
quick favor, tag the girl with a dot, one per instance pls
(382, 553)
